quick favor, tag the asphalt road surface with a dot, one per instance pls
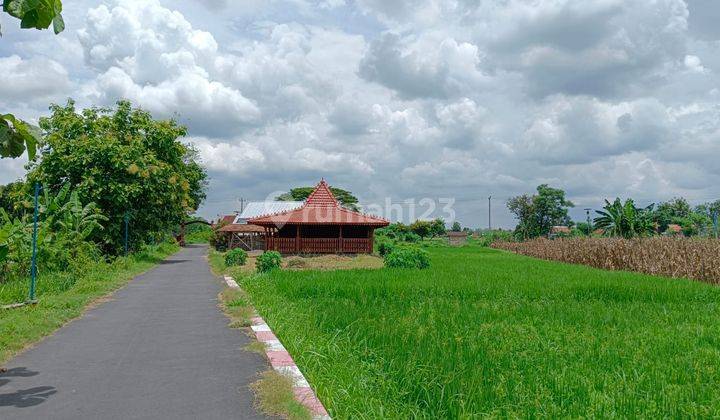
(160, 348)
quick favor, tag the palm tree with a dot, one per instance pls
(626, 220)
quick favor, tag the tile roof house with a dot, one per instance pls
(320, 225)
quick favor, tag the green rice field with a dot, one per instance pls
(488, 333)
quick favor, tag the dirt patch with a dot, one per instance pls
(332, 262)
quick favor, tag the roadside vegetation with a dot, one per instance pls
(483, 332)
(112, 184)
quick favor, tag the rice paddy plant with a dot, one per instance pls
(694, 258)
(488, 333)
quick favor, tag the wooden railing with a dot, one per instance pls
(319, 245)
(356, 245)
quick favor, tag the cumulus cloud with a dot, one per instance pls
(153, 56)
(414, 98)
(581, 129)
(32, 80)
(425, 68)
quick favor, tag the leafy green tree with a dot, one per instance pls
(14, 198)
(709, 209)
(437, 227)
(625, 220)
(124, 161)
(38, 14)
(456, 227)
(584, 228)
(538, 213)
(671, 212)
(344, 197)
(422, 228)
(709, 212)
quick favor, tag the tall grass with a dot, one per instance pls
(692, 258)
(487, 333)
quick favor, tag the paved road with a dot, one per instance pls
(159, 349)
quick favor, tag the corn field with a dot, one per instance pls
(697, 259)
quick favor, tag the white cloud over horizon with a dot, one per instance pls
(413, 99)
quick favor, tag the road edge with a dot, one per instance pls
(283, 363)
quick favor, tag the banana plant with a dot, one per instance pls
(78, 221)
(625, 219)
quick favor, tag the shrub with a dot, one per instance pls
(411, 237)
(407, 258)
(268, 260)
(217, 239)
(385, 247)
(235, 257)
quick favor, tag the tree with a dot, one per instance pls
(15, 199)
(437, 227)
(710, 212)
(538, 213)
(17, 136)
(678, 211)
(584, 228)
(625, 220)
(38, 14)
(344, 197)
(671, 212)
(422, 228)
(456, 227)
(124, 161)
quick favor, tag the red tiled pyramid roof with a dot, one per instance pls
(320, 208)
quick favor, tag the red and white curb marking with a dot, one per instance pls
(283, 363)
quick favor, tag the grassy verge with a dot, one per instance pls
(275, 397)
(63, 297)
(273, 392)
(488, 333)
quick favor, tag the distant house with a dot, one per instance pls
(320, 225)
(225, 220)
(457, 238)
(673, 230)
(559, 232)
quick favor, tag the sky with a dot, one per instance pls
(422, 108)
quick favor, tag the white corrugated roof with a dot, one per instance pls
(262, 208)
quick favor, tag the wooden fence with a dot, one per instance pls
(320, 245)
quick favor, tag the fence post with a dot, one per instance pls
(33, 263)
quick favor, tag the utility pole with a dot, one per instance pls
(242, 204)
(489, 213)
(587, 211)
(33, 263)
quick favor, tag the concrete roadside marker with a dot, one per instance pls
(283, 363)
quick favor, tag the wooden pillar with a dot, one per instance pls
(342, 248)
(371, 237)
(297, 238)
